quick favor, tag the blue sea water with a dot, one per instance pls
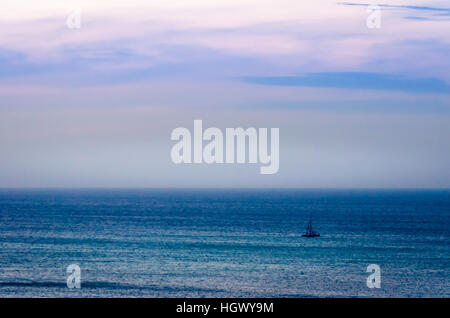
(224, 243)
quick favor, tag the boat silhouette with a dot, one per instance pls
(309, 230)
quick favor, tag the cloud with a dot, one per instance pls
(132, 41)
(441, 12)
(357, 80)
(390, 6)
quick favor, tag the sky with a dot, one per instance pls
(94, 106)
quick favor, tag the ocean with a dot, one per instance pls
(224, 243)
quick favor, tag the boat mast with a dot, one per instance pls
(309, 228)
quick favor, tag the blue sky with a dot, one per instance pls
(94, 107)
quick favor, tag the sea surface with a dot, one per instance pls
(224, 243)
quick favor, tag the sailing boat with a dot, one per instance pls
(309, 230)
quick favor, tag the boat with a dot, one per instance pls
(309, 230)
